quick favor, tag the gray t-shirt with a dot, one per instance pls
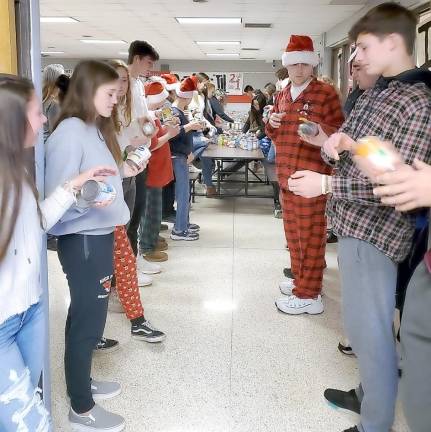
(73, 148)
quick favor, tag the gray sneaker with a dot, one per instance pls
(102, 390)
(98, 419)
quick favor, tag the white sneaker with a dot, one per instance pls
(296, 306)
(194, 170)
(144, 280)
(286, 286)
(147, 267)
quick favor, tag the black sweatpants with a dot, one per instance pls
(87, 261)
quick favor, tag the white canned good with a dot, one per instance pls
(94, 191)
(138, 156)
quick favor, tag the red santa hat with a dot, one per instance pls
(155, 92)
(187, 88)
(300, 50)
(171, 81)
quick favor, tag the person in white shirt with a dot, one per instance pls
(22, 222)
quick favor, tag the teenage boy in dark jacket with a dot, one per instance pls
(374, 238)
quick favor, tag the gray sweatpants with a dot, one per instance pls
(368, 280)
(416, 349)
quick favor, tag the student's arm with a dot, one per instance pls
(246, 126)
(168, 133)
(62, 163)
(218, 110)
(332, 113)
(270, 131)
(412, 140)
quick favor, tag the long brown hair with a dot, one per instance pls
(15, 93)
(125, 102)
(87, 77)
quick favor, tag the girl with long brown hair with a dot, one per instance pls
(85, 135)
(22, 221)
(126, 296)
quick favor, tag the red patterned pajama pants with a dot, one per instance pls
(126, 275)
(305, 228)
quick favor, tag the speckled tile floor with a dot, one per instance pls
(231, 362)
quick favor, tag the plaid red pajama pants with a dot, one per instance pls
(305, 228)
(126, 275)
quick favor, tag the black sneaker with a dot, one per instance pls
(146, 332)
(331, 237)
(51, 243)
(344, 400)
(353, 429)
(185, 235)
(288, 273)
(345, 349)
(107, 345)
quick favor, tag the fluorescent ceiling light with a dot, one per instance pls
(123, 53)
(58, 20)
(52, 52)
(218, 42)
(185, 20)
(100, 41)
(223, 54)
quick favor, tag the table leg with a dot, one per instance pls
(218, 176)
(246, 178)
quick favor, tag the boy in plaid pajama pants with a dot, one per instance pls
(304, 218)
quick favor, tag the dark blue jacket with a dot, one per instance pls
(182, 144)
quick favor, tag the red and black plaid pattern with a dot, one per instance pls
(320, 103)
(305, 228)
(399, 113)
(304, 219)
(126, 276)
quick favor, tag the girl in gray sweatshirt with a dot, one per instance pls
(85, 136)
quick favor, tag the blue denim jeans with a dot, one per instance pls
(271, 154)
(207, 171)
(21, 354)
(182, 193)
(199, 145)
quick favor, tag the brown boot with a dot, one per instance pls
(162, 240)
(160, 247)
(211, 192)
(156, 256)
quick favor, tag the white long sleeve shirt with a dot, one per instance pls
(20, 280)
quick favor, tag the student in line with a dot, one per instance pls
(218, 102)
(125, 295)
(407, 189)
(50, 101)
(23, 220)
(303, 216)
(85, 136)
(159, 173)
(141, 61)
(181, 147)
(397, 109)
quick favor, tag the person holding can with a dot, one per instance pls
(83, 137)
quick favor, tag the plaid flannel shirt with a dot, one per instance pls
(398, 112)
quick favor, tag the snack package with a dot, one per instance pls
(380, 155)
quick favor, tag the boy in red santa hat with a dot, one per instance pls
(304, 218)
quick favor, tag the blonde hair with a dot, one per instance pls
(125, 102)
(49, 77)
